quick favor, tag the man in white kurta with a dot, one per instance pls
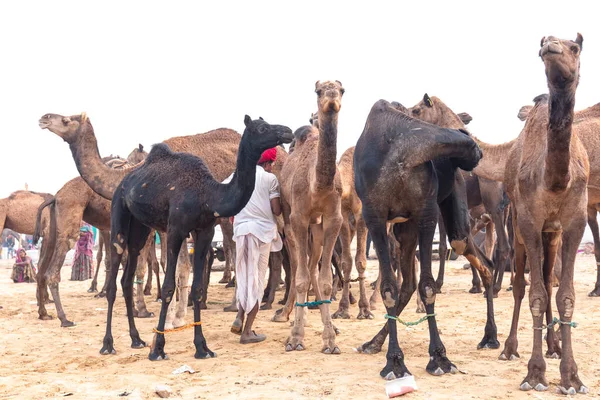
(255, 234)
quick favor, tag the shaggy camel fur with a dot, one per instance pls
(104, 180)
(546, 178)
(480, 191)
(311, 193)
(175, 192)
(586, 124)
(405, 174)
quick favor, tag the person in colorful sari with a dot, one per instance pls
(83, 267)
(23, 269)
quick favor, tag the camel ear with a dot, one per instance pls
(66, 120)
(317, 83)
(465, 118)
(579, 40)
(524, 112)
(141, 147)
(84, 117)
(427, 100)
(261, 118)
(247, 120)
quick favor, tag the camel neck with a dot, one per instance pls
(234, 196)
(101, 178)
(327, 150)
(561, 105)
(493, 163)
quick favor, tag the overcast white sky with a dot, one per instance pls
(145, 71)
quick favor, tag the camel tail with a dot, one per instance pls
(38, 219)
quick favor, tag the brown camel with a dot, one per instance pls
(75, 202)
(311, 193)
(585, 124)
(546, 178)
(18, 211)
(480, 191)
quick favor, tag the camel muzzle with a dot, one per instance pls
(553, 47)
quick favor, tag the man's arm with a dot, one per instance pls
(276, 206)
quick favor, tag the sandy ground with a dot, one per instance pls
(41, 360)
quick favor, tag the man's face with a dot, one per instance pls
(269, 166)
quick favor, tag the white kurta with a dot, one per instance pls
(255, 233)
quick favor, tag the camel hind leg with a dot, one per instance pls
(142, 259)
(593, 223)
(94, 285)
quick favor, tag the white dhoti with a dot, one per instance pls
(251, 264)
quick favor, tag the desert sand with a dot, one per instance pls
(39, 359)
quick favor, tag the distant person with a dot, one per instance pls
(254, 230)
(10, 244)
(23, 269)
(83, 267)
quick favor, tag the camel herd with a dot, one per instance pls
(410, 171)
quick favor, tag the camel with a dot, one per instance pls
(585, 124)
(546, 177)
(75, 202)
(480, 191)
(405, 174)
(311, 193)
(18, 211)
(176, 193)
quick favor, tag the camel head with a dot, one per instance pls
(561, 59)
(434, 111)
(329, 96)
(263, 136)
(68, 128)
(137, 155)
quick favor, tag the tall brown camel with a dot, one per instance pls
(311, 193)
(546, 178)
(405, 175)
(586, 124)
(480, 191)
(75, 202)
(175, 192)
(218, 148)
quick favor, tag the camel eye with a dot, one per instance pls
(416, 111)
(318, 92)
(342, 90)
(575, 49)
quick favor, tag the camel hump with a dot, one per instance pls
(159, 150)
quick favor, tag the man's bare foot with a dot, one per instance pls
(236, 327)
(252, 338)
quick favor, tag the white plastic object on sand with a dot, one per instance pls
(400, 386)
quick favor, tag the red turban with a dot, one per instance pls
(268, 155)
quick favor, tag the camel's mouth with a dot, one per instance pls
(43, 124)
(286, 137)
(551, 47)
(333, 105)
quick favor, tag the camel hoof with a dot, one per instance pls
(147, 292)
(584, 390)
(266, 306)
(280, 316)
(100, 295)
(390, 376)
(525, 386)
(594, 293)
(291, 347)
(92, 290)
(554, 356)
(67, 324)
(144, 314)
(204, 355)
(45, 317)
(438, 372)
(107, 352)
(157, 357)
(475, 289)
(231, 308)
(341, 314)
(138, 344)
(327, 350)
(365, 314)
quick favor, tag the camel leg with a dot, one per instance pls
(565, 299)
(475, 282)
(177, 312)
(288, 272)
(137, 238)
(503, 248)
(201, 248)
(148, 287)
(228, 249)
(511, 345)
(283, 314)
(443, 252)
(551, 242)
(42, 287)
(175, 245)
(163, 251)
(52, 277)
(155, 267)
(593, 223)
(302, 279)
(275, 261)
(107, 251)
(361, 266)
(346, 256)
(538, 301)
(94, 285)
(208, 263)
(332, 222)
(140, 310)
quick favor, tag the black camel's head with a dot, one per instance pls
(68, 128)
(262, 135)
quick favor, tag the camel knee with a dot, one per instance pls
(389, 292)
(459, 246)
(302, 286)
(326, 289)
(427, 291)
(538, 304)
(565, 304)
(196, 292)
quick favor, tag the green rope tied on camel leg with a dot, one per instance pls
(556, 321)
(313, 303)
(387, 316)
